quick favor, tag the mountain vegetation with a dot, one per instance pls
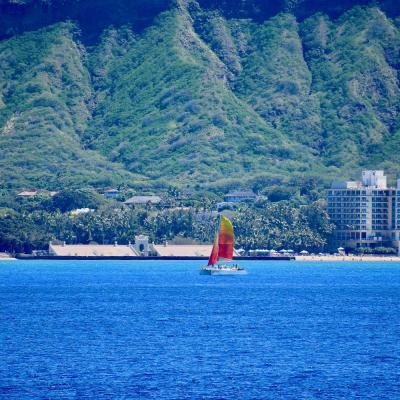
(34, 222)
(204, 95)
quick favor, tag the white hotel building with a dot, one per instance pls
(366, 213)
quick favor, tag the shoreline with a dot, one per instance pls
(142, 258)
(6, 257)
(350, 258)
(317, 258)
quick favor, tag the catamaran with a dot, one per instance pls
(222, 251)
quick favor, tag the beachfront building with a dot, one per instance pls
(184, 250)
(366, 213)
(92, 250)
(142, 245)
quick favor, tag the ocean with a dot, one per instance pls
(159, 330)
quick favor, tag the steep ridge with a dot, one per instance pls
(172, 113)
(45, 94)
(267, 71)
(329, 84)
(354, 63)
(18, 16)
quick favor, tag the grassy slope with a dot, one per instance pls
(45, 94)
(276, 81)
(353, 62)
(171, 114)
(330, 85)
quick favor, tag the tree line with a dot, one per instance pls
(31, 224)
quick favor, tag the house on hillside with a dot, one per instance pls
(80, 211)
(27, 193)
(111, 193)
(225, 206)
(34, 192)
(238, 196)
(143, 200)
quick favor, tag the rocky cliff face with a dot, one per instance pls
(208, 93)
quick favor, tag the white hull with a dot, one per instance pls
(222, 271)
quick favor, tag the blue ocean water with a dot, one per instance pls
(159, 330)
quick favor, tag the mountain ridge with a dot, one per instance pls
(18, 16)
(200, 99)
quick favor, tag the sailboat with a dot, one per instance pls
(222, 251)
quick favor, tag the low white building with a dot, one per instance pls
(111, 193)
(28, 193)
(80, 211)
(184, 250)
(239, 196)
(92, 250)
(143, 200)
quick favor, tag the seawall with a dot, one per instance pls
(140, 258)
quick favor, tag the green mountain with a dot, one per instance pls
(200, 95)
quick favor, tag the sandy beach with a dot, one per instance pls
(6, 257)
(349, 258)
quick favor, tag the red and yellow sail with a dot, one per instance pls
(223, 243)
(214, 252)
(226, 240)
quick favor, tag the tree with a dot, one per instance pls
(279, 193)
(68, 200)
